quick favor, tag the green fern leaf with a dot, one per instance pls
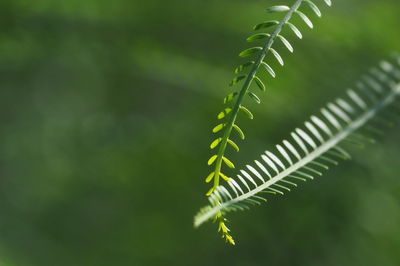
(305, 19)
(250, 51)
(259, 83)
(275, 9)
(269, 69)
(266, 24)
(254, 97)
(258, 36)
(286, 43)
(277, 56)
(295, 30)
(313, 7)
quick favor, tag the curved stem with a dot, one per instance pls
(244, 90)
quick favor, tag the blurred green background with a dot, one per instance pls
(106, 111)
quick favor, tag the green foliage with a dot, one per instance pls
(235, 100)
(316, 146)
(105, 103)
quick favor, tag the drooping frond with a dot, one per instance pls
(315, 147)
(247, 73)
(267, 31)
(234, 101)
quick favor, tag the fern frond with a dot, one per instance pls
(234, 101)
(316, 147)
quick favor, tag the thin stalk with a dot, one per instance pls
(244, 90)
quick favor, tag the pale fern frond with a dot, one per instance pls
(314, 148)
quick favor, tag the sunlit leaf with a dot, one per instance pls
(286, 43)
(218, 128)
(224, 113)
(274, 9)
(313, 7)
(228, 162)
(233, 144)
(212, 160)
(239, 131)
(305, 19)
(215, 143)
(277, 56)
(295, 30)
(269, 69)
(246, 111)
(224, 177)
(210, 177)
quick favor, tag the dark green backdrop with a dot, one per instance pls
(106, 109)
